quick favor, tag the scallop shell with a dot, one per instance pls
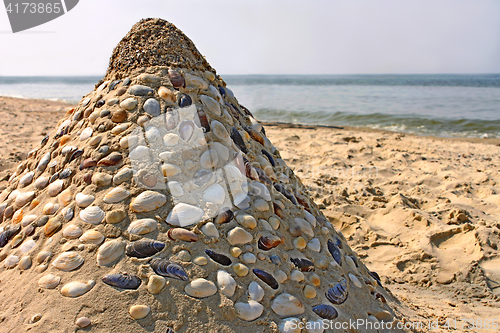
(93, 215)
(266, 277)
(123, 281)
(72, 231)
(75, 288)
(142, 226)
(68, 261)
(84, 200)
(92, 237)
(218, 258)
(200, 288)
(168, 268)
(226, 283)
(116, 195)
(183, 215)
(182, 234)
(147, 201)
(144, 248)
(338, 293)
(110, 251)
(55, 188)
(49, 281)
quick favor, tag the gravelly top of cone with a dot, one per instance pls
(155, 42)
(158, 203)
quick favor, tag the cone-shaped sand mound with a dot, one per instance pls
(159, 205)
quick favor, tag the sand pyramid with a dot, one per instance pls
(159, 205)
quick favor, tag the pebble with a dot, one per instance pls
(246, 220)
(83, 322)
(309, 292)
(226, 283)
(200, 261)
(274, 222)
(297, 276)
(115, 216)
(255, 291)
(239, 236)
(210, 230)
(140, 90)
(152, 107)
(235, 251)
(249, 258)
(129, 104)
(280, 276)
(139, 311)
(240, 270)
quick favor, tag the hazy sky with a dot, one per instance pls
(273, 36)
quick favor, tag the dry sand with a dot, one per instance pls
(423, 212)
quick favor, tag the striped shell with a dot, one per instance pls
(116, 195)
(68, 261)
(144, 248)
(338, 293)
(110, 251)
(142, 226)
(147, 201)
(72, 231)
(49, 281)
(123, 281)
(93, 215)
(92, 237)
(335, 252)
(168, 268)
(325, 311)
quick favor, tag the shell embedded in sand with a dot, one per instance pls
(200, 288)
(93, 215)
(55, 188)
(142, 226)
(226, 283)
(182, 234)
(287, 305)
(75, 289)
(110, 251)
(184, 215)
(49, 281)
(249, 311)
(68, 261)
(239, 235)
(210, 104)
(147, 201)
(92, 237)
(116, 194)
(65, 197)
(84, 200)
(50, 208)
(23, 198)
(255, 291)
(26, 179)
(155, 284)
(72, 231)
(139, 311)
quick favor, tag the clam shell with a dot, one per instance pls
(110, 160)
(287, 305)
(142, 226)
(93, 215)
(210, 104)
(255, 291)
(11, 261)
(219, 131)
(325, 311)
(72, 231)
(144, 248)
(55, 188)
(182, 234)
(49, 281)
(110, 251)
(84, 200)
(86, 133)
(268, 242)
(44, 161)
(152, 107)
(224, 217)
(186, 129)
(200, 288)
(338, 293)
(168, 268)
(28, 246)
(68, 213)
(75, 288)
(116, 195)
(218, 258)
(123, 281)
(184, 215)
(215, 193)
(239, 235)
(28, 219)
(266, 277)
(139, 311)
(335, 252)
(210, 230)
(50, 208)
(248, 311)
(196, 81)
(68, 261)
(52, 226)
(226, 283)
(26, 179)
(92, 237)
(65, 197)
(147, 201)
(23, 198)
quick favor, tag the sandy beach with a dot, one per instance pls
(423, 212)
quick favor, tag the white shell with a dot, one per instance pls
(72, 231)
(156, 284)
(175, 189)
(49, 281)
(310, 218)
(50, 208)
(219, 130)
(92, 237)
(129, 104)
(211, 104)
(170, 170)
(304, 226)
(215, 193)
(23, 198)
(210, 230)
(248, 311)
(139, 153)
(86, 133)
(116, 195)
(249, 258)
(314, 245)
(152, 134)
(142, 226)
(11, 261)
(139, 311)
(170, 140)
(26, 179)
(287, 305)
(239, 236)
(68, 261)
(27, 246)
(84, 200)
(184, 215)
(291, 325)
(93, 215)
(255, 291)
(186, 129)
(147, 201)
(28, 219)
(196, 81)
(226, 283)
(221, 150)
(55, 188)
(209, 159)
(261, 190)
(75, 288)
(110, 251)
(41, 182)
(355, 281)
(200, 288)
